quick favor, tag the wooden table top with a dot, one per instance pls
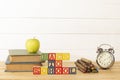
(110, 74)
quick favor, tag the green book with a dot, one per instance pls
(21, 55)
(22, 52)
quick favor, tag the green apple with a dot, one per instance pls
(32, 45)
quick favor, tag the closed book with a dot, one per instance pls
(25, 58)
(19, 52)
(20, 66)
(21, 55)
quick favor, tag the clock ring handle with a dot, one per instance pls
(105, 45)
(111, 50)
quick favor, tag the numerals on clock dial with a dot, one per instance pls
(105, 59)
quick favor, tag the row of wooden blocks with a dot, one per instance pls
(55, 56)
(37, 70)
(54, 64)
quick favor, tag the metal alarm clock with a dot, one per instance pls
(105, 58)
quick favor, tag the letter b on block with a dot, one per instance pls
(44, 56)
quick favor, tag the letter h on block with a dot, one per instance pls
(51, 71)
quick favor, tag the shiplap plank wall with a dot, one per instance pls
(75, 26)
(60, 8)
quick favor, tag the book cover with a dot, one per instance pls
(21, 55)
(17, 52)
(20, 66)
(21, 58)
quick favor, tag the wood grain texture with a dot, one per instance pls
(111, 74)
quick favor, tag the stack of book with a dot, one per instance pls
(20, 60)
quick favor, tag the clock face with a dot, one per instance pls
(105, 59)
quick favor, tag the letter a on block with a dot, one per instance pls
(66, 56)
(51, 56)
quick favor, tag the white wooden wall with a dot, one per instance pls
(75, 26)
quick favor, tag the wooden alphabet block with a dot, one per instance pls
(72, 70)
(59, 56)
(58, 70)
(66, 56)
(44, 70)
(36, 70)
(65, 70)
(44, 56)
(51, 56)
(58, 63)
(51, 63)
(51, 71)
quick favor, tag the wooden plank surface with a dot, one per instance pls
(60, 8)
(111, 74)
